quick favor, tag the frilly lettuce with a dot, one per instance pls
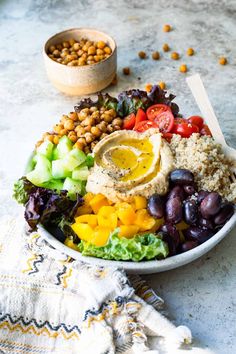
(147, 246)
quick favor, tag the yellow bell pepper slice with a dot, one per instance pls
(128, 231)
(144, 220)
(87, 219)
(100, 236)
(125, 213)
(98, 201)
(107, 217)
(83, 231)
(140, 202)
(69, 243)
(84, 209)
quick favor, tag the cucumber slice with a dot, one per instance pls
(46, 149)
(72, 187)
(79, 155)
(70, 163)
(89, 160)
(42, 171)
(55, 154)
(55, 184)
(64, 146)
(59, 170)
(31, 164)
(80, 173)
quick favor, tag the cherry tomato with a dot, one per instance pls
(167, 136)
(179, 120)
(185, 129)
(129, 121)
(156, 109)
(144, 125)
(165, 121)
(196, 120)
(205, 130)
(140, 116)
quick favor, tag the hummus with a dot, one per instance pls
(128, 163)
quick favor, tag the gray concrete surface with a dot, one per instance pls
(202, 294)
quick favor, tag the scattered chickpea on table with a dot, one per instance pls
(222, 61)
(85, 128)
(79, 53)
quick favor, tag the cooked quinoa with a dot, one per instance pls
(202, 156)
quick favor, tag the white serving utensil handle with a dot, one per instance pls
(198, 90)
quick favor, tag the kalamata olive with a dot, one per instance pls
(206, 223)
(181, 177)
(189, 190)
(188, 245)
(201, 195)
(172, 231)
(156, 206)
(170, 242)
(174, 210)
(190, 212)
(210, 205)
(177, 191)
(224, 214)
(197, 234)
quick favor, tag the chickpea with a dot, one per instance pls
(64, 54)
(183, 68)
(80, 52)
(116, 127)
(110, 128)
(165, 47)
(80, 130)
(80, 145)
(51, 56)
(89, 137)
(88, 43)
(102, 126)
(63, 132)
(76, 46)
(190, 52)
(87, 150)
(59, 46)
(88, 128)
(101, 44)
(93, 109)
(93, 144)
(103, 136)
(112, 112)
(117, 121)
(89, 62)
(167, 28)
(72, 42)
(73, 116)
(99, 52)
(69, 124)
(71, 57)
(63, 118)
(175, 56)
(106, 117)
(84, 112)
(90, 57)
(85, 48)
(89, 121)
(81, 61)
(126, 70)
(222, 61)
(56, 53)
(142, 55)
(107, 50)
(52, 48)
(91, 50)
(57, 128)
(97, 58)
(66, 44)
(96, 115)
(72, 136)
(102, 109)
(50, 138)
(73, 63)
(84, 55)
(38, 143)
(59, 60)
(96, 132)
(148, 87)
(162, 85)
(56, 139)
(155, 56)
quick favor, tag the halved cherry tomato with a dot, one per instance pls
(145, 125)
(196, 120)
(165, 121)
(156, 109)
(167, 136)
(205, 130)
(129, 121)
(185, 129)
(140, 116)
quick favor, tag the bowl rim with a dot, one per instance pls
(145, 267)
(79, 29)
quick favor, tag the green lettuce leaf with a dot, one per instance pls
(21, 190)
(147, 246)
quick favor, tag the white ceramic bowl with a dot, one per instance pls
(146, 267)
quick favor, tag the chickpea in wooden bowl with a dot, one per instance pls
(80, 61)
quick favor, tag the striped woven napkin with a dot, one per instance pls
(50, 303)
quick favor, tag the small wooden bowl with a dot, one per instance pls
(86, 79)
